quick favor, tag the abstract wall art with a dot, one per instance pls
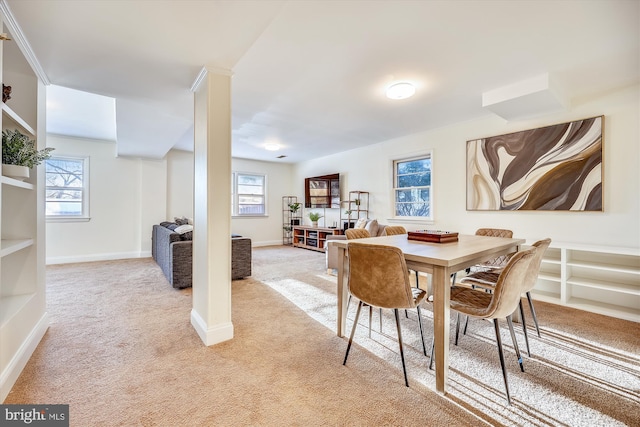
(553, 168)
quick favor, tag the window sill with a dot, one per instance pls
(399, 219)
(249, 216)
(69, 219)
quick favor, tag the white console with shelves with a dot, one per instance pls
(599, 279)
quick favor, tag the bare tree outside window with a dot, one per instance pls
(65, 187)
(412, 187)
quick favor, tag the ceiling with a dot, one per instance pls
(310, 75)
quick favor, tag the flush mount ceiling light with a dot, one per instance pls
(401, 90)
(271, 146)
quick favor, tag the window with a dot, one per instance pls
(67, 188)
(412, 187)
(248, 194)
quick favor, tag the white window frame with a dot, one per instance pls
(392, 164)
(235, 196)
(85, 216)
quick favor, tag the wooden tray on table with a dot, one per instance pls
(433, 236)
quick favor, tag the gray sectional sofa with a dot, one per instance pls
(173, 253)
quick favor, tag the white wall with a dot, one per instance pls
(179, 184)
(127, 196)
(368, 169)
(263, 231)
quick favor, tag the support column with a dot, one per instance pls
(211, 312)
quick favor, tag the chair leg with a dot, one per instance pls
(370, 318)
(404, 368)
(353, 331)
(524, 328)
(504, 369)
(515, 343)
(424, 347)
(533, 313)
(466, 323)
(433, 348)
(457, 327)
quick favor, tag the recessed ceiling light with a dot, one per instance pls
(271, 146)
(400, 90)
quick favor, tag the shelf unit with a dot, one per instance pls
(289, 218)
(23, 318)
(358, 204)
(604, 280)
(312, 238)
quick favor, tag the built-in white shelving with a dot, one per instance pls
(13, 120)
(599, 279)
(23, 319)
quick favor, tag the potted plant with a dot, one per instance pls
(19, 154)
(314, 217)
(293, 207)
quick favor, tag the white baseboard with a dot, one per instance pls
(22, 356)
(97, 257)
(266, 243)
(211, 335)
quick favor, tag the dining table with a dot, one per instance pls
(440, 260)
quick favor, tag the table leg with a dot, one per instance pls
(441, 296)
(342, 294)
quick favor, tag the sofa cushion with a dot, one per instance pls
(181, 229)
(181, 221)
(372, 227)
(361, 223)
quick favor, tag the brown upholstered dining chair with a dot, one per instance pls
(489, 265)
(360, 233)
(392, 230)
(378, 276)
(356, 233)
(498, 262)
(504, 300)
(487, 280)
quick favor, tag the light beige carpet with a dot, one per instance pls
(121, 351)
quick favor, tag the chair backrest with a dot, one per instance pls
(511, 284)
(392, 230)
(378, 276)
(357, 233)
(540, 247)
(495, 232)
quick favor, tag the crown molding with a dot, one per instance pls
(203, 74)
(20, 39)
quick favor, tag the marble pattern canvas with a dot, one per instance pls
(553, 168)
